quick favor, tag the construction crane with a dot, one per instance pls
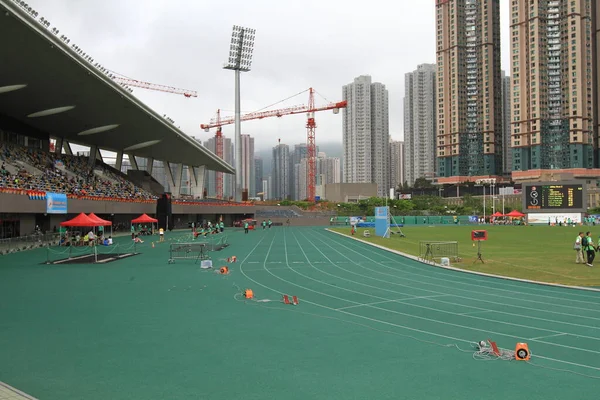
(311, 125)
(123, 80)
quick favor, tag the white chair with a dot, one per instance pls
(366, 233)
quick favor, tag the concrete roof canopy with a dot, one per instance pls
(45, 84)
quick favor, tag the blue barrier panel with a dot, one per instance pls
(382, 221)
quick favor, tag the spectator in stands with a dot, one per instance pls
(74, 178)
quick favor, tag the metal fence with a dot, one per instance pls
(432, 251)
(22, 243)
(188, 251)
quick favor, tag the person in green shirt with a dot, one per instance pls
(245, 226)
(264, 224)
(269, 223)
(588, 245)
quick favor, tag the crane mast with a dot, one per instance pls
(311, 149)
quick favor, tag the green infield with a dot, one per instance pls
(539, 253)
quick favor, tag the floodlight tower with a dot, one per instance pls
(240, 59)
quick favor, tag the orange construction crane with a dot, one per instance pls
(311, 148)
(123, 80)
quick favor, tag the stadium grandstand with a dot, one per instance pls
(52, 97)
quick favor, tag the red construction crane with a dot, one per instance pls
(123, 80)
(311, 148)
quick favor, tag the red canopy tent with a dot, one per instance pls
(100, 221)
(515, 214)
(80, 220)
(497, 214)
(144, 219)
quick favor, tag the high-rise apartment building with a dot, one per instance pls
(248, 180)
(258, 175)
(596, 39)
(280, 173)
(419, 123)
(328, 172)
(328, 169)
(366, 133)
(296, 156)
(469, 105)
(210, 182)
(553, 106)
(397, 164)
(506, 127)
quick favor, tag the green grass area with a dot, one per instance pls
(539, 253)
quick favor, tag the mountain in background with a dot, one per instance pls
(332, 149)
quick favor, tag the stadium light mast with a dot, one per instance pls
(240, 60)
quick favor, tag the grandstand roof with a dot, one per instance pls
(57, 78)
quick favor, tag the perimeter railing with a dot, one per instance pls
(29, 242)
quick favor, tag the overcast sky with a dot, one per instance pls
(299, 44)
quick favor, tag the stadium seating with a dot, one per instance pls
(37, 170)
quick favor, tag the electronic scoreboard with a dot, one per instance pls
(554, 196)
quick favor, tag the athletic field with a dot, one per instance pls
(540, 253)
(370, 325)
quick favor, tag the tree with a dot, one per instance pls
(422, 183)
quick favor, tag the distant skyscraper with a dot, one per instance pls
(328, 170)
(280, 172)
(553, 86)
(366, 133)
(300, 171)
(506, 120)
(295, 157)
(419, 123)
(396, 163)
(210, 176)
(248, 181)
(258, 175)
(469, 86)
(265, 188)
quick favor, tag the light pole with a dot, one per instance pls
(240, 59)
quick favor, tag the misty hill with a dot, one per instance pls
(331, 149)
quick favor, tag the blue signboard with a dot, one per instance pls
(56, 203)
(382, 221)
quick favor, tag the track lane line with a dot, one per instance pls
(390, 323)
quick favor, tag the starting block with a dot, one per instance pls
(286, 300)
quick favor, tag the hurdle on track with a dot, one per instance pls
(188, 251)
(430, 251)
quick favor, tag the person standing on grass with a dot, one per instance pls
(579, 249)
(588, 245)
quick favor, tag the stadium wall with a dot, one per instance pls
(15, 203)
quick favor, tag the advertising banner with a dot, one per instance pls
(56, 203)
